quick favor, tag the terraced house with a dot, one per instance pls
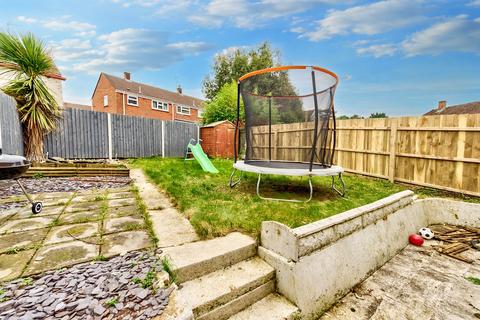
(124, 96)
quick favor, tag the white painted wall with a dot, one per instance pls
(344, 250)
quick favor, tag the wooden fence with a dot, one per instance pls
(11, 137)
(435, 151)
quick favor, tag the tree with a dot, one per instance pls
(223, 106)
(378, 115)
(230, 66)
(343, 117)
(27, 61)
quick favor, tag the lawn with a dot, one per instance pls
(215, 209)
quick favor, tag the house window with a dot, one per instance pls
(105, 101)
(183, 110)
(132, 100)
(200, 113)
(159, 105)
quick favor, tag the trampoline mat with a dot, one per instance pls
(285, 165)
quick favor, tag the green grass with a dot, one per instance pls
(215, 209)
(474, 280)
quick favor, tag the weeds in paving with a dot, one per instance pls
(142, 208)
(2, 293)
(27, 281)
(38, 175)
(168, 268)
(99, 198)
(100, 258)
(112, 302)
(146, 282)
(55, 222)
(14, 250)
(474, 280)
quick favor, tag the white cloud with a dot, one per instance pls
(65, 24)
(460, 34)
(135, 49)
(368, 19)
(474, 3)
(26, 19)
(251, 14)
(69, 50)
(297, 30)
(378, 50)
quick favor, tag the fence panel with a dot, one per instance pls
(435, 151)
(136, 137)
(81, 134)
(177, 136)
(10, 128)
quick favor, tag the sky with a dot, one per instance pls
(394, 56)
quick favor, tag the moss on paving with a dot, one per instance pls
(215, 209)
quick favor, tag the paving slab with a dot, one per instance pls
(120, 243)
(55, 202)
(153, 198)
(26, 224)
(121, 202)
(7, 214)
(26, 212)
(61, 255)
(418, 283)
(117, 212)
(72, 232)
(55, 195)
(171, 228)
(84, 206)
(80, 216)
(120, 195)
(100, 196)
(11, 265)
(123, 224)
(22, 239)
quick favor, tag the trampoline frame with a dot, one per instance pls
(310, 173)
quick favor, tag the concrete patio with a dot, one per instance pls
(73, 227)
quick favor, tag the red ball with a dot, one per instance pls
(415, 239)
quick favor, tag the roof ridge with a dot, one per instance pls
(146, 84)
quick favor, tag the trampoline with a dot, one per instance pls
(289, 126)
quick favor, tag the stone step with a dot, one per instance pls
(195, 259)
(220, 294)
(272, 307)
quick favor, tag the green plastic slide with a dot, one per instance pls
(202, 158)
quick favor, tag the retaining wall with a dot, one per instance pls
(318, 263)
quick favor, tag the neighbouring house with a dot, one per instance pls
(466, 108)
(54, 82)
(73, 105)
(124, 96)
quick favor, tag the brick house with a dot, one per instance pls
(124, 96)
(466, 108)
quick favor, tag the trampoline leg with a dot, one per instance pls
(286, 200)
(342, 191)
(232, 183)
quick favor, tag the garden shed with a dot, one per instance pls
(217, 139)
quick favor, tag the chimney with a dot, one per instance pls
(126, 75)
(179, 89)
(442, 105)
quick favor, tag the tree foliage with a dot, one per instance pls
(223, 106)
(378, 115)
(232, 65)
(25, 59)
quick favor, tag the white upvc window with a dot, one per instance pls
(200, 113)
(105, 101)
(132, 100)
(183, 110)
(159, 105)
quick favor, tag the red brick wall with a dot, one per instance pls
(144, 109)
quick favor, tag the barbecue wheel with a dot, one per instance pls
(37, 207)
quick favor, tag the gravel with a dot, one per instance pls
(10, 188)
(105, 289)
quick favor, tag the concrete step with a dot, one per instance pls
(195, 259)
(220, 294)
(272, 307)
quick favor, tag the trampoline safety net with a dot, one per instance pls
(289, 117)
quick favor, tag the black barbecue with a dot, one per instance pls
(13, 167)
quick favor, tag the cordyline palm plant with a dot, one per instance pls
(26, 60)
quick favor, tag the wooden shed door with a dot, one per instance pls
(221, 137)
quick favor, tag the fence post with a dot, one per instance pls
(109, 131)
(393, 149)
(163, 139)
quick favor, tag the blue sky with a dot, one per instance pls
(393, 56)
